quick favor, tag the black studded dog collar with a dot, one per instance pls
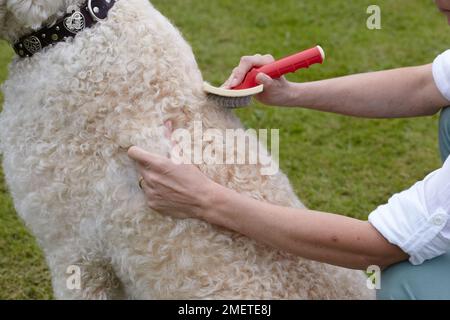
(76, 20)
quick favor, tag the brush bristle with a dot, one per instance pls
(229, 102)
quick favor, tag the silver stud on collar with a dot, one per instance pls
(94, 11)
(32, 44)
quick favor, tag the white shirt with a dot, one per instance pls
(418, 220)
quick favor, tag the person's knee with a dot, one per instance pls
(405, 281)
(396, 283)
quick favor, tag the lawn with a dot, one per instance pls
(336, 164)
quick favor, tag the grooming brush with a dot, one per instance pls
(241, 95)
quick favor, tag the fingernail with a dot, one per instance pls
(234, 83)
(260, 77)
(226, 85)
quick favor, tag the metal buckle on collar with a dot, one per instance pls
(94, 11)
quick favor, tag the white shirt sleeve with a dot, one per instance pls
(441, 73)
(418, 220)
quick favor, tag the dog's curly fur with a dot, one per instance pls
(70, 114)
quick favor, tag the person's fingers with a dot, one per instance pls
(148, 183)
(268, 58)
(151, 177)
(245, 65)
(264, 79)
(227, 84)
(148, 160)
(236, 77)
(148, 190)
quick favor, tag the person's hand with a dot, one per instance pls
(276, 91)
(181, 191)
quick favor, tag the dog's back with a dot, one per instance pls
(70, 114)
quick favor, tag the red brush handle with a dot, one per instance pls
(284, 66)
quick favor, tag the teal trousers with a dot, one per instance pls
(431, 280)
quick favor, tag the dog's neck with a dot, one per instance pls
(24, 18)
(74, 21)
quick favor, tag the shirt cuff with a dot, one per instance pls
(441, 73)
(404, 222)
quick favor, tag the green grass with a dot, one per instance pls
(336, 164)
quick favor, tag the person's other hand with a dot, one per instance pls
(181, 191)
(276, 91)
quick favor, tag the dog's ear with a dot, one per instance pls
(32, 13)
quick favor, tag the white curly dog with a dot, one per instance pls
(72, 110)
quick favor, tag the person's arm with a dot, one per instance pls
(183, 191)
(405, 92)
(318, 236)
